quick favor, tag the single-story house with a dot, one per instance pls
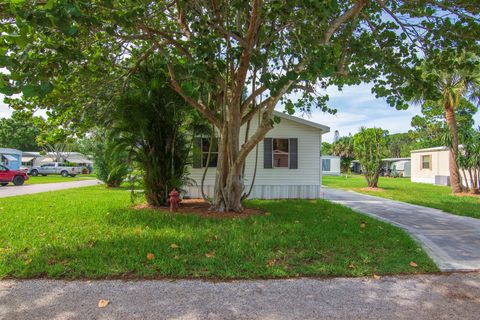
(431, 165)
(388, 167)
(288, 163)
(331, 165)
(10, 158)
(33, 159)
(400, 166)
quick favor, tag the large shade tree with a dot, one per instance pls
(250, 56)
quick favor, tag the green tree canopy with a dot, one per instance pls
(20, 132)
(371, 146)
(430, 129)
(60, 53)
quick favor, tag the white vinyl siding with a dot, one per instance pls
(303, 182)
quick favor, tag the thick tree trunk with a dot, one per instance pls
(455, 180)
(229, 179)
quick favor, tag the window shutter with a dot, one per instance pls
(293, 153)
(267, 153)
(197, 153)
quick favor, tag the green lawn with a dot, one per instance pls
(94, 233)
(57, 178)
(402, 189)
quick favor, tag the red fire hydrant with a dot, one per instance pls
(174, 199)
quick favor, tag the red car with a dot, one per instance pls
(17, 177)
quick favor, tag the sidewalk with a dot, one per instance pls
(452, 241)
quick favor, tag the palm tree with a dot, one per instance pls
(448, 83)
(343, 148)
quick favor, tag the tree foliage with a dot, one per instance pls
(155, 125)
(468, 159)
(20, 132)
(326, 148)
(62, 52)
(371, 145)
(430, 129)
(400, 145)
(111, 164)
(448, 78)
(343, 148)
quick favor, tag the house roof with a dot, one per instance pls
(396, 159)
(10, 151)
(443, 148)
(323, 128)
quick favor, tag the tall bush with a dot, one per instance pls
(370, 146)
(154, 124)
(111, 164)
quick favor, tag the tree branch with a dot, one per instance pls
(194, 103)
(352, 12)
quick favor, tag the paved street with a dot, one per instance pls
(11, 190)
(452, 241)
(452, 296)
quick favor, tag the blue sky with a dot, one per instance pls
(356, 106)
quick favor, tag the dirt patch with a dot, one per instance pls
(201, 208)
(372, 189)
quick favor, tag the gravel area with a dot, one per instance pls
(450, 296)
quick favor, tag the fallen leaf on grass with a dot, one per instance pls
(376, 277)
(210, 254)
(150, 256)
(174, 246)
(413, 264)
(351, 266)
(103, 303)
(362, 225)
(271, 263)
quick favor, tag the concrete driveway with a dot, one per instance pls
(452, 241)
(11, 191)
(453, 296)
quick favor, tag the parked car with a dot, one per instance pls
(17, 177)
(55, 168)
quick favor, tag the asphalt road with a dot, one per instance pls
(11, 191)
(450, 296)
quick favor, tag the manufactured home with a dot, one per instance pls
(287, 162)
(331, 165)
(32, 159)
(431, 165)
(10, 158)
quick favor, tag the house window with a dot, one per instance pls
(280, 153)
(326, 164)
(204, 152)
(426, 162)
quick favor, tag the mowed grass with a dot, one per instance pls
(402, 189)
(94, 233)
(57, 178)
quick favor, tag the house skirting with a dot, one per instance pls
(423, 180)
(266, 192)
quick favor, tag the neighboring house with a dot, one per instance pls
(331, 165)
(10, 158)
(288, 163)
(399, 165)
(32, 159)
(389, 166)
(431, 165)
